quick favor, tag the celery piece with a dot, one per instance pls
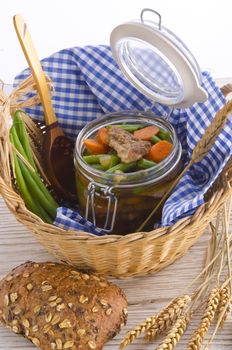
(145, 163)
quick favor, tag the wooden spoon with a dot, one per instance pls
(57, 148)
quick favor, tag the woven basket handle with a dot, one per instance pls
(226, 89)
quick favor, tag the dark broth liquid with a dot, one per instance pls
(134, 205)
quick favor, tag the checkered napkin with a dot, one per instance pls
(70, 219)
(88, 83)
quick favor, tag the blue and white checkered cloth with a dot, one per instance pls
(88, 83)
(70, 219)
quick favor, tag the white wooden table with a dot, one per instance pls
(146, 295)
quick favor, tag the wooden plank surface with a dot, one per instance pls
(146, 295)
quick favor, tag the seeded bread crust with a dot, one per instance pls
(58, 307)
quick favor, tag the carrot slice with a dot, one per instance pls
(102, 136)
(146, 133)
(95, 147)
(159, 151)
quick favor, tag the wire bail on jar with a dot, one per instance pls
(153, 11)
(103, 192)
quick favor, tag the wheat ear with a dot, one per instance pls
(200, 150)
(211, 133)
(162, 320)
(221, 315)
(224, 298)
(175, 333)
(206, 320)
(135, 333)
(167, 317)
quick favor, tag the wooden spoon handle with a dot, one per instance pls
(36, 68)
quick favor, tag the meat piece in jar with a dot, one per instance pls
(128, 148)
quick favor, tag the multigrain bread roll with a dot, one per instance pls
(58, 307)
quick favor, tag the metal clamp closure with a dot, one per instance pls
(153, 11)
(105, 192)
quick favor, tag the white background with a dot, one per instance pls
(204, 25)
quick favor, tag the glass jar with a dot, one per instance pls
(119, 203)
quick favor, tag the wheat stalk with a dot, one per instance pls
(175, 333)
(35, 132)
(206, 320)
(167, 317)
(214, 245)
(226, 221)
(218, 300)
(200, 150)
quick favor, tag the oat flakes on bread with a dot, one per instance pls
(57, 307)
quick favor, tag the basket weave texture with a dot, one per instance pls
(119, 256)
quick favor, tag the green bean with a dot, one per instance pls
(108, 161)
(34, 174)
(86, 152)
(23, 137)
(46, 218)
(93, 159)
(98, 167)
(43, 187)
(129, 127)
(155, 139)
(16, 142)
(145, 164)
(35, 208)
(164, 135)
(45, 200)
(122, 167)
(36, 191)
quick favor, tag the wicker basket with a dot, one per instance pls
(118, 256)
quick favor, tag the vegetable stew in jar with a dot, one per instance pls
(125, 162)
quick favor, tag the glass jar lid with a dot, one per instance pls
(157, 62)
